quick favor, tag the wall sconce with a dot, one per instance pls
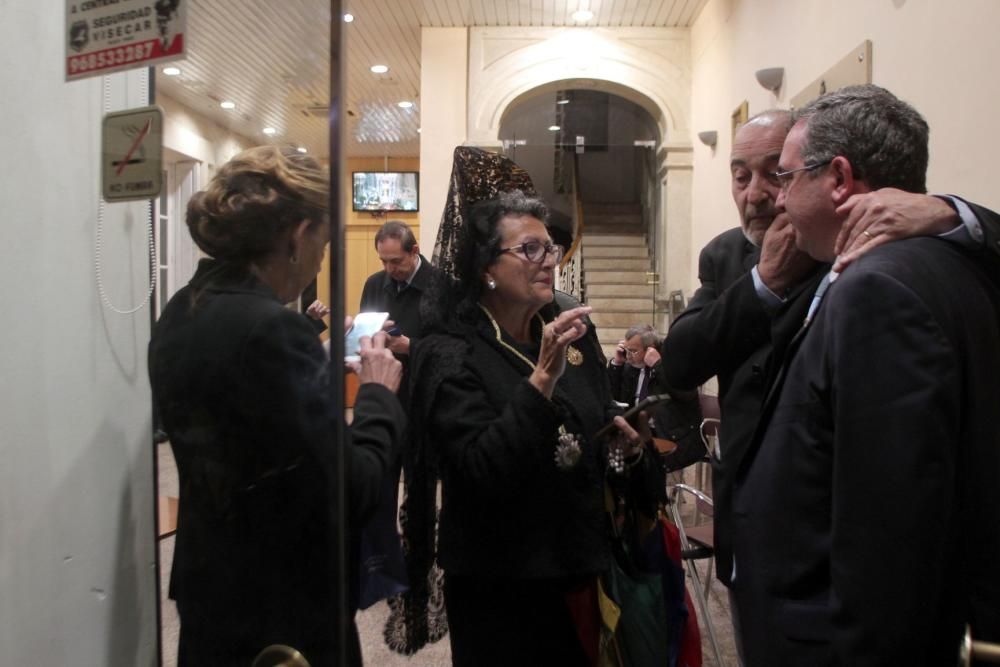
(770, 77)
(708, 137)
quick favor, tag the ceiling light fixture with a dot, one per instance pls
(269, 131)
(302, 149)
(582, 15)
(562, 101)
(380, 69)
(171, 71)
(348, 18)
(227, 104)
(405, 104)
(554, 128)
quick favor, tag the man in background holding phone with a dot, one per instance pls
(635, 373)
(400, 286)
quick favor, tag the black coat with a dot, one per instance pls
(242, 385)
(380, 295)
(727, 331)
(867, 517)
(507, 510)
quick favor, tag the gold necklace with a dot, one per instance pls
(568, 451)
(573, 354)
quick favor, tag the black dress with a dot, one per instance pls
(517, 532)
(242, 385)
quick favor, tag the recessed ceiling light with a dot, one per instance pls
(269, 131)
(171, 71)
(405, 104)
(348, 18)
(582, 15)
(302, 149)
(227, 104)
(554, 128)
(562, 101)
(380, 69)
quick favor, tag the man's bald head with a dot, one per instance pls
(754, 159)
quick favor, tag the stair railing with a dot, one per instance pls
(570, 276)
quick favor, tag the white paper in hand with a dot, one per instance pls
(365, 324)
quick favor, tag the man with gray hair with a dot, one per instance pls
(636, 372)
(867, 509)
(756, 287)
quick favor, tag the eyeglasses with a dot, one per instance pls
(785, 178)
(535, 251)
(633, 353)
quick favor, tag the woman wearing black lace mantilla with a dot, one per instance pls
(511, 393)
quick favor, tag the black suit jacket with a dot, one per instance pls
(677, 419)
(727, 331)
(380, 295)
(242, 385)
(867, 511)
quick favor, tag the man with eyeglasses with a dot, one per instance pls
(866, 510)
(636, 372)
(756, 286)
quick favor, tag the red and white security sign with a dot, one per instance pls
(105, 36)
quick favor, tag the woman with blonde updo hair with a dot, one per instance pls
(243, 387)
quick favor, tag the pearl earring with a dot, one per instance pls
(492, 284)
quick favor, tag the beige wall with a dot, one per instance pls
(198, 138)
(443, 85)
(939, 56)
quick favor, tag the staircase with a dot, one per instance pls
(615, 262)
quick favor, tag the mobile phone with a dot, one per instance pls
(365, 324)
(632, 414)
(394, 331)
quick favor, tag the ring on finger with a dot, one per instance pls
(868, 234)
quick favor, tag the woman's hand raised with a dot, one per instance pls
(556, 337)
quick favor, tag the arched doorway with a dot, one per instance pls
(592, 156)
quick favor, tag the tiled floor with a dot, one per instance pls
(370, 622)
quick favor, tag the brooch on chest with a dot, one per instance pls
(568, 451)
(574, 356)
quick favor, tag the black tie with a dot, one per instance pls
(644, 387)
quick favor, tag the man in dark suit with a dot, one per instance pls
(400, 286)
(726, 329)
(734, 326)
(867, 520)
(636, 372)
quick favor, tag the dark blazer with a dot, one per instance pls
(380, 295)
(242, 385)
(507, 510)
(867, 511)
(676, 419)
(726, 331)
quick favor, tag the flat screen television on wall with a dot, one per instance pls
(388, 191)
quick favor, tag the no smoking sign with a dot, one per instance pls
(132, 154)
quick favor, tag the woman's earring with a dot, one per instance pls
(492, 284)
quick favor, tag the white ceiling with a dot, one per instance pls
(272, 59)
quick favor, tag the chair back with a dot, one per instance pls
(711, 420)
